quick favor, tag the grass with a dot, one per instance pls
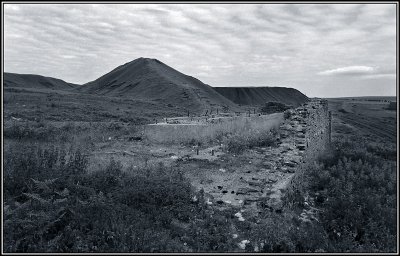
(354, 187)
(61, 106)
(60, 207)
(55, 202)
(240, 128)
(69, 132)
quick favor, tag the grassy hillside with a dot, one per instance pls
(150, 79)
(261, 95)
(35, 82)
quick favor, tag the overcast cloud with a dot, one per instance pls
(322, 50)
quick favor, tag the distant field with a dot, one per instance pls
(370, 118)
(61, 106)
(367, 98)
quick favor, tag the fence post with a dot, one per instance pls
(330, 126)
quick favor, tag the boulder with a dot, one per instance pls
(301, 146)
(245, 191)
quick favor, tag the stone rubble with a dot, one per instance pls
(301, 135)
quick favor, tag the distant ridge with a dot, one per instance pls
(35, 82)
(260, 95)
(150, 79)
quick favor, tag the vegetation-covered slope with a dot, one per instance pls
(35, 82)
(150, 79)
(261, 95)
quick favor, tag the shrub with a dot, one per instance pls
(238, 143)
(33, 161)
(287, 114)
(59, 207)
(355, 185)
(211, 134)
(273, 107)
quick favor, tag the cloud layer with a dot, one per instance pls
(306, 46)
(351, 70)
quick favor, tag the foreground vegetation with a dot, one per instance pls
(54, 203)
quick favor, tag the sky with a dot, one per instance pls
(323, 50)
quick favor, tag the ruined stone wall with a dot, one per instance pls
(304, 134)
(312, 123)
(318, 129)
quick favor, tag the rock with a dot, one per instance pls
(289, 164)
(273, 170)
(255, 183)
(284, 135)
(243, 243)
(275, 204)
(296, 118)
(268, 192)
(239, 216)
(291, 170)
(245, 191)
(300, 135)
(135, 138)
(268, 165)
(301, 146)
(251, 199)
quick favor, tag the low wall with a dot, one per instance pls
(310, 129)
(304, 136)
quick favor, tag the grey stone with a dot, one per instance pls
(301, 146)
(289, 164)
(256, 183)
(245, 191)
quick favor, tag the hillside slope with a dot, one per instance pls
(261, 95)
(35, 82)
(150, 79)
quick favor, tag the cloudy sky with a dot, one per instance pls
(322, 50)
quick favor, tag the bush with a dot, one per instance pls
(238, 143)
(38, 162)
(59, 207)
(274, 107)
(287, 114)
(355, 185)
